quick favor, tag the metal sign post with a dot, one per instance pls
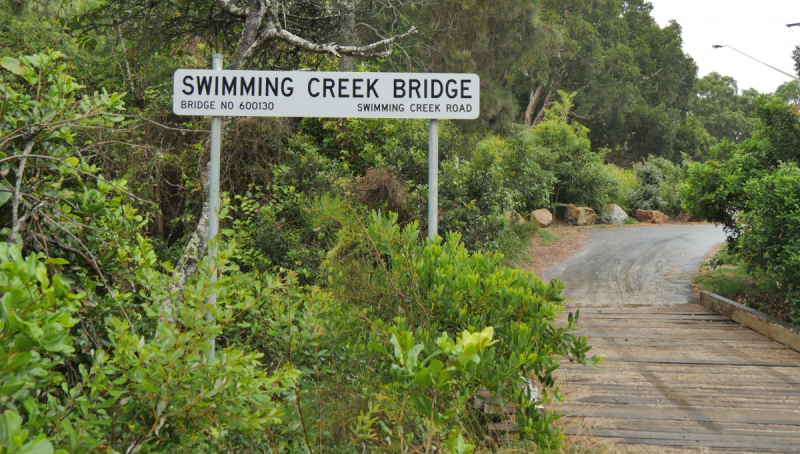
(433, 178)
(230, 93)
(213, 198)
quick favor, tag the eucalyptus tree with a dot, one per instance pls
(789, 92)
(632, 80)
(723, 110)
(257, 33)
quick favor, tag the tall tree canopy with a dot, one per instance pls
(257, 33)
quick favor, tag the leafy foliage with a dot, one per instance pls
(442, 288)
(648, 195)
(773, 217)
(753, 192)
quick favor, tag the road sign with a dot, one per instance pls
(326, 94)
(220, 93)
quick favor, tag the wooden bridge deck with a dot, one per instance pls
(683, 377)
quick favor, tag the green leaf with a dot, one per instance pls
(422, 403)
(72, 160)
(10, 424)
(5, 193)
(13, 65)
(10, 389)
(423, 378)
(55, 260)
(38, 446)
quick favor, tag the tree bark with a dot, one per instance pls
(534, 101)
(255, 15)
(547, 103)
(347, 36)
(16, 220)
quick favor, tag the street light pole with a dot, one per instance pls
(717, 46)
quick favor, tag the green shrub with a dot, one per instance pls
(137, 375)
(524, 165)
(772, 240)
(674, 175)
(34, 346)
(434, 288)
(648, 195)
(580, 175)
(626, 184)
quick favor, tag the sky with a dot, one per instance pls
(754, 27)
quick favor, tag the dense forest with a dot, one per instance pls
(337, 326)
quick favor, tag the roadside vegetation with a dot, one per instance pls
(729, 276)
(338, 327)
(753, 190)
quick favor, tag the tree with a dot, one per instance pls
(724, 112)
(633, 83)
(253, 30)
(495, 40)
(789, 92)
(796, 58)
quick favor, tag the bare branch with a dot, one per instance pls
(230, 7)
(90, 175)
(273, 32)
(16, 222)
(354, 51)
(64, 247)
(139, 117)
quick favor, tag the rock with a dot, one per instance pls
(684, 217)
(613, 214)
(651, 217)
(579, 215)
(514, 218)
(541, 217)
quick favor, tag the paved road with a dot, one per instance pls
(637, 266)
(677, 377)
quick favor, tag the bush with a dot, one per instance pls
(626, 184)
(137, 375)
(579, 172)
(440, 291)
(648, 195)
(674, 175)
(524, 168)
(772, 240)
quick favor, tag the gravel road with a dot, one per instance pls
(637, 266)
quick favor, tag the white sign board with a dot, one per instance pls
(326, 94)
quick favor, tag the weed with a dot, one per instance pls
(548, 237)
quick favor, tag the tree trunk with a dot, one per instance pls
(534, 101)
(347, 36)
(540, 115)
(255, 15)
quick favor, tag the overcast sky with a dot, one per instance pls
(755, 27)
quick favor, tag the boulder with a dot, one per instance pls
(541, 217)
(651, 217)
(579, 215)
(514, 218)
(684, 217)
(613, 214)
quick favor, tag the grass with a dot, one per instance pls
(548, 237)
(727, 276)
(513, 242)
